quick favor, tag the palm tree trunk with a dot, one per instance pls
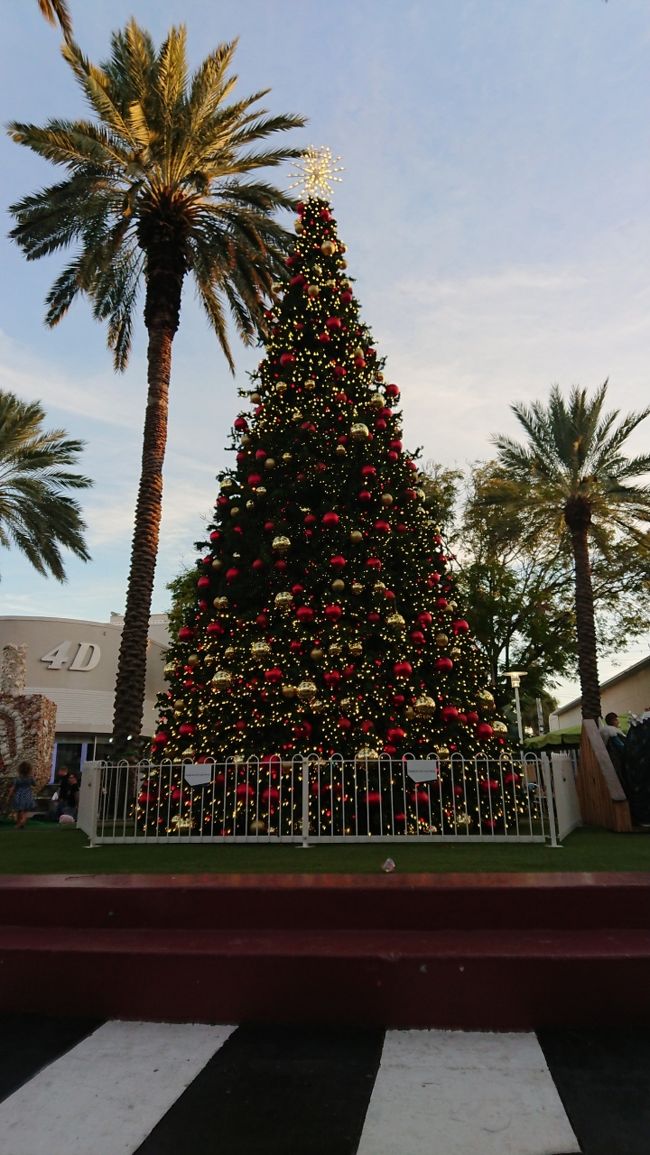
(585, 624)
(132, 663)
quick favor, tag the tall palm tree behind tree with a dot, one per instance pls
(572, 477)
(158, 186)
(57, 12)
(36, 513)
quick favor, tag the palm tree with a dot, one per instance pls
(157, 186)
(36, 513)
(57, 12)
(572, 478)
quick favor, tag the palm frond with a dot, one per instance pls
(37, 513)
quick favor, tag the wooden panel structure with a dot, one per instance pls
(601, 795)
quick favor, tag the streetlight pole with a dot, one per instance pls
(515, 677)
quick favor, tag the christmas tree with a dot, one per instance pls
(326, 621)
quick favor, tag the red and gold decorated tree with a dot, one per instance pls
(325, 620)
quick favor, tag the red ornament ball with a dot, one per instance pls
(444, 665)
(483, 731)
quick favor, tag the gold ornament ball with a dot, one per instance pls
(486, 697)
(409, 713)
(387, 499)
(235, 511)
(316, 654)
(255, 398)
(306, 691)
(425, 707)
(298, 225)
(296, 415)
(227, 483)
(222, 679)
(193, 660)
(377, 401)
(245, 439)
(281, 544)
(356, 649)
(310, 384)
(283, 600)
(169, 668)
(288, 691)
(220, 603)
(316, 707)
(229, 652)
(341, 451)
(260, 649)
(281, 387)
(356, 536)
(318, 270)
(328, 248)
(179, 703)
(455, 652)
(269, 463)
(367, 754)
(441, 639)
(257, 826)
(286, 457)
(260, 491)
(442, 752)
(379, 587)
(359, 432)
(396, 622)
(313, 291)
(250, 504)
(335, 649)
(345, 704)
(356, 588)
(499, 727)
(277, 287)
(217, 563)
(188, 753)
(338, 585)
(451, 606)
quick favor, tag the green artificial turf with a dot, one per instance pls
(49, 849)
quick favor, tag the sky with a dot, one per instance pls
(495, 203)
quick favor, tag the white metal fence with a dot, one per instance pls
(311, 799)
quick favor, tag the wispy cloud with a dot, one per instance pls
(104, 398)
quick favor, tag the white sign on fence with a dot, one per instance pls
(422, 769)
(197, 774)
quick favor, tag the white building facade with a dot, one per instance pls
(74, 663)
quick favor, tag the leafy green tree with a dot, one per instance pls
(37, 514)
(160, 184)
(57, 12)
(572, 479)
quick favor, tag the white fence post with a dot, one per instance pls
(550, 800)
(88, 809)
(305, 805)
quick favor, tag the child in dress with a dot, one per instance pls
(21, 796)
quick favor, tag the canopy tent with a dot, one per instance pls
(567, 737)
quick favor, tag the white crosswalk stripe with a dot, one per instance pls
(106, 1094)
(442, 1092)
(461, 1093)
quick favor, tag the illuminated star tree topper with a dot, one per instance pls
(316, 173)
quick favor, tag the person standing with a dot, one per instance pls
(21, 795)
